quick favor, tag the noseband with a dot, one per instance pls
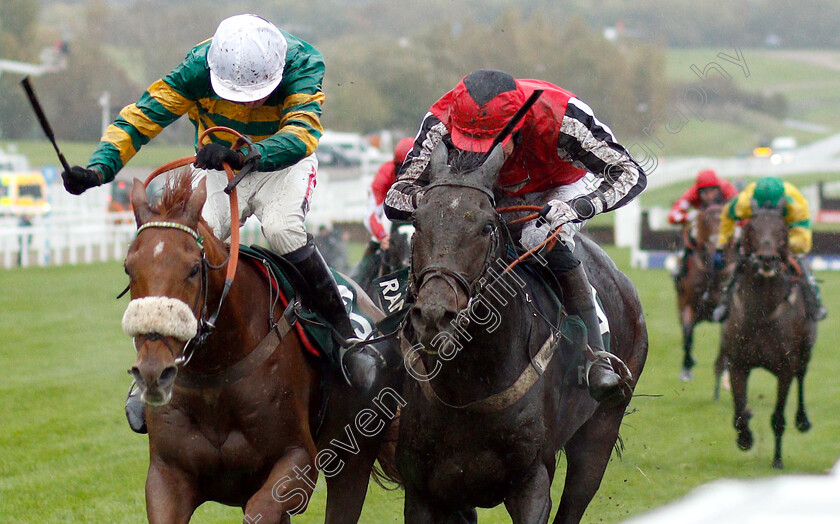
(205, 324)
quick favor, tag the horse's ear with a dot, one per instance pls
(781, 205)
(196, 202)
(438, 164)
(753, 205)
(491, 166)
(140, 203)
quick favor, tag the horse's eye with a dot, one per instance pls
(194, 270)
(487, 229)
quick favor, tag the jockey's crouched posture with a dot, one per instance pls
(559, 154)
(265, 84)
(708, 190)
(767, 192)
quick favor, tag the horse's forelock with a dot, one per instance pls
(176, 192)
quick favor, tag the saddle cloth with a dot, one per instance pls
(312, 328)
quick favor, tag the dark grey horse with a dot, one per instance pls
(767, 327)
(494, 392)
(377, 263)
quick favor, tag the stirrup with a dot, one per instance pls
(356, 344)
(619, 368)
(136, 416)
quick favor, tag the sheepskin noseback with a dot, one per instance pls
(165, 316)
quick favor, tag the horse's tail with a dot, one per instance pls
(385, 472)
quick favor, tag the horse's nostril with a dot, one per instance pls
(138, 378)
(168, 374)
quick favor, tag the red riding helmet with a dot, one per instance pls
(402, 149)
(707, 178)
(482, 104)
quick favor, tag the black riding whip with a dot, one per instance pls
(42, 119)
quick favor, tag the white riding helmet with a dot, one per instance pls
(246, 58)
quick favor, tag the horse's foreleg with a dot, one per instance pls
(687, 318)
(802, 422)
(286, 491)
(530, 501)
(720, 367)
(171, 496)
(587, 455)
(346, 489)
(777, 421)
(741, 419)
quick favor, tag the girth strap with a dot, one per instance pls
(497, 401)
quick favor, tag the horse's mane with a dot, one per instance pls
(462, 162)
(176, 192)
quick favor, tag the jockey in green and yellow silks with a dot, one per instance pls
(768, 192)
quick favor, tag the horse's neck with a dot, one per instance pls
(493, 348)
(233, 335)
(764, 294)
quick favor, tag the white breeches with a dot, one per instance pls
(565, 193)
(279, 200)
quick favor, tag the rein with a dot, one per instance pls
(538, 363)
(206, 324)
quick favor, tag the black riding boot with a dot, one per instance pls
(319, 292)
(602, 380)
(811, 293)
(721, 312)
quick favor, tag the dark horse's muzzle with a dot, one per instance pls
(439, 299)
(766, 265)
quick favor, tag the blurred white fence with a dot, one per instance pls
(80, 230)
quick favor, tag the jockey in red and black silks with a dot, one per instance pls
(558, 155)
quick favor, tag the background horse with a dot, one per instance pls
(698, 292)
(488, 408)
(767, 326)
(232, 408)
(377, 264)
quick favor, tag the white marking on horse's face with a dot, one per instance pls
(455, 203)
(158, 249)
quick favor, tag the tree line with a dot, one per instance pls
(387, 62)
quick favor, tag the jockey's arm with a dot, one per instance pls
(373, 223)
(585, 141)
(404, 196)
(679, 211)
(736, 210)
(798, 217)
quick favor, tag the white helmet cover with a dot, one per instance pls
(246, 58)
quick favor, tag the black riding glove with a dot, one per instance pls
(213, 155)
(80, 179)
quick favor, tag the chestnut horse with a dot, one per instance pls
(767, 326)
(232, 399)
(495, 390)
(698, 292)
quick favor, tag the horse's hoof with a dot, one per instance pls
(745, 440)
(777, 464)
(686, 375)
(802, 423)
